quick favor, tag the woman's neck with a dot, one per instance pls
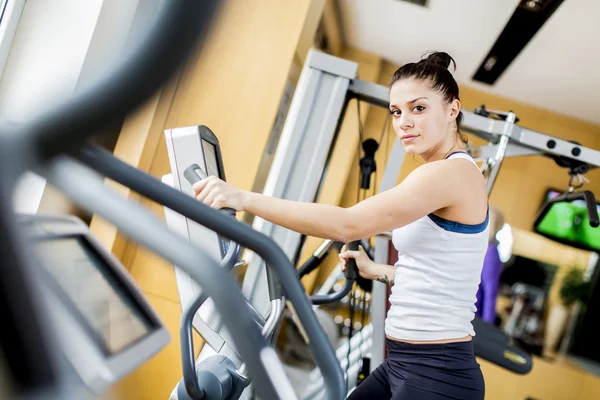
(442, 151)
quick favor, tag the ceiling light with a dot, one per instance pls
(489, 63)
(534, 5)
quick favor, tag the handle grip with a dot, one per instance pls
(309, 266)
(590, 202)
(351, 271)
(351, 274)
(194, 174)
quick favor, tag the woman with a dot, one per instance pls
(439, 219)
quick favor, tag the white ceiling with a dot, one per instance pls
(559, 69)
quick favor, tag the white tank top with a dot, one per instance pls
(437, 276)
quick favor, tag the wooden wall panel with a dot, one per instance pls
(560, 380)
(235, 85)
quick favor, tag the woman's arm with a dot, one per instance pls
(431, 187)
(384, 273)
(312, 219)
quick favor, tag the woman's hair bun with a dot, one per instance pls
(439, 58)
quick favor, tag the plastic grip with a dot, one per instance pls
(333, 297)
(275, 289)
(310, 265)
(351, 271)
(590, 202)
(194, 174)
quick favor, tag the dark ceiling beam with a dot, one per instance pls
(526, 21)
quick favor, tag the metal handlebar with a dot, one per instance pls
(316, 258)
(587, 196)
(188, 365)
(351, 274)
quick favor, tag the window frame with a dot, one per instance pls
(10, 14)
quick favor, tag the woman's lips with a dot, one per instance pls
(409, 138)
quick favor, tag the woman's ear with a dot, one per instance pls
(455, 107)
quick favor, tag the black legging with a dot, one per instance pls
(424, 371)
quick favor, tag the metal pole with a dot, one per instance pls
(495, 163)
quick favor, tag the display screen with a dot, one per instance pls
(568, 223)
(210, 158)
(111, 313)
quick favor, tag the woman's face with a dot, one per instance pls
(423, 121)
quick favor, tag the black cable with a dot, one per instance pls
(351, 312)
(363, 314)
(360, 126)
(362, 325)
(384, 134)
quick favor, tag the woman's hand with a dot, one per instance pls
(366, 267)
(217, 194)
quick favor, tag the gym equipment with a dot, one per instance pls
(194, 153)
(216, 377)
(586, 196)
(246, 338)
(367, 163)
(31, 365)
(351, 273)
(91, 194)
(493, 345)
(151, 233)
(524, 323)
(304, 148)
(107, 326)
(318, 256)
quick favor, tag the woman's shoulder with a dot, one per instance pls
(458, 178)
(458, 165)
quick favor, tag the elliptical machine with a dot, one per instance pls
(219, 372)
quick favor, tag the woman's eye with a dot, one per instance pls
(395, 113)
(419, 108)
